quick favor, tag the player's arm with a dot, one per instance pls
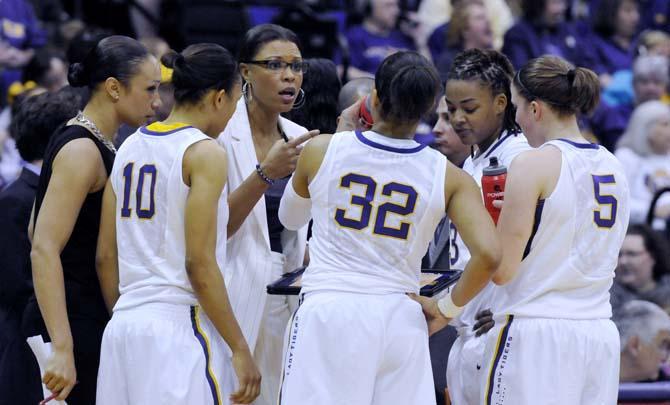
(466, 210)
(529, 175)
(205, 171)
(76, 172)
(280, 162)
(106, 258)
(295, 205)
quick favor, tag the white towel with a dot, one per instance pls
(42, 352)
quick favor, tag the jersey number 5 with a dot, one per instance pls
(365, 202)
(142, 212)
(604, 200)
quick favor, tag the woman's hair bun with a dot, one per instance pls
(76, 75)
(173, 59)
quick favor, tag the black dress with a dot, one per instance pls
(85, 305)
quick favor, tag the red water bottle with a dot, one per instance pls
(364, 114)
(493, 186)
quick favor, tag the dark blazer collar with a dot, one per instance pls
(29, 177)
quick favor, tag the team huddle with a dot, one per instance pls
(191, 323)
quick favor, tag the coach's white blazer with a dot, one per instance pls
(249, 260)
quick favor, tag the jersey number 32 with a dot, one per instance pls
(365, 202)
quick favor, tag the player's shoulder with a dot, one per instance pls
(512, 147)
(538, 161)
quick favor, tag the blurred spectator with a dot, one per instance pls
(469, 28)
(48, 69)
(20, 35)
(318, 109)
(36, 119)
(654, 42)
(644, 152)
(353, 91)
(649, 81)
(542, 30)
(645, 341)
(377, 38)
(446, 140)
(644, 265)
(615, 26)
(435, 15)
(10, 160)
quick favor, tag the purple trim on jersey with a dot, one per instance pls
(147, 131)
(500, 142)
(580, 145)
(199, 335)
(502, 340)
(376, 145)
(536, 225)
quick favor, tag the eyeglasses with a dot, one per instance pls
(277, 65)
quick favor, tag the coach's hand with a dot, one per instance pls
(60, 374)
(436, 321)
(349, 119)
(283, 156)
(248, 377)
(483, 322)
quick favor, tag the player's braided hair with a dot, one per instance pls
(492, 69)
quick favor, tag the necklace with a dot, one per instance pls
(90, 125)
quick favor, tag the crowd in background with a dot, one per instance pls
(626, 42)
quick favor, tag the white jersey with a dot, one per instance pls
(151, 202)
(376, 202)
(505, 149)
(569, 262)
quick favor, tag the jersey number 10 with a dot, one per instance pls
(142, 213)
(365, 202)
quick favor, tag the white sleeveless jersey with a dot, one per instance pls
(376, 202)
(505, 149)
(151, 202)
(569, 262)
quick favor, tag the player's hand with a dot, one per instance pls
(436, 321)
(349, 119)
(60, 375)
(283, 156)
(483, 322)
(248, 377)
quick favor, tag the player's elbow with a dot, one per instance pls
(502, 277)
(197, 270)
(104, 256)
(490, 258)
(294, 210)
(40, 253)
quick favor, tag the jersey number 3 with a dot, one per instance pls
(604, 200)
(365, 202)
(146, 177)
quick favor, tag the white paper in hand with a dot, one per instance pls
(42, 352)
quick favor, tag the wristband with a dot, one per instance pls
(263, 175)
(448, 308)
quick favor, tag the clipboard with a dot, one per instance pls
(432, 282)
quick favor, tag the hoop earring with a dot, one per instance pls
(246, 92)
(299, 101)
